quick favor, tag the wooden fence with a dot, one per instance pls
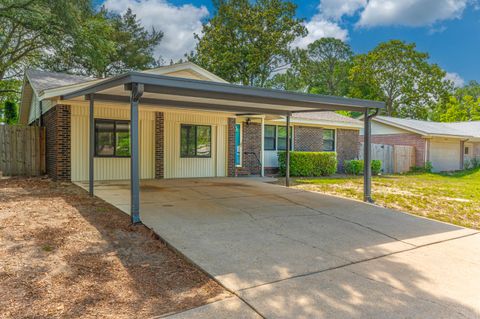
(395, 158)
(22, 150)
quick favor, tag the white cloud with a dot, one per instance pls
(457, 80)
(335, 9)
(321, 28)
(178, 23)
(412, 13)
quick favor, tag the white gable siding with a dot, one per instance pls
(384, 129)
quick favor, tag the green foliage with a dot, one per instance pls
(322, 68)
(309, 163)
(30, 28)
(10, 112)
(106, 44)
(427, 168)
(466, 109)
(398, 74)
(376, 167)
(246, 41)
(355, 167)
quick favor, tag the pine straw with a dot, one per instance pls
(65, 254)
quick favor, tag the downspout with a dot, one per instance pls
(367, 156)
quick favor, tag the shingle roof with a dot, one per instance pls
(325, 116)
(43, 80)
(466, 129)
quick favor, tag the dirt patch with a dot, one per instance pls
(64, 254)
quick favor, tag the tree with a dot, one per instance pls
(10, 115)
(29, 27)
(459, 110)
(245, 42)
(106, 44)
(398, 74)
(322, 68)
(327, 66)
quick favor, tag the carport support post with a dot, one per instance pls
(367, 156)
(91, 178)
(137, 92)
(287, 153)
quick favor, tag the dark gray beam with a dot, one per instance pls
(91, 176)
(302, 105)
(367, 156)
(157, 81)
(188, 105)
(137, 91)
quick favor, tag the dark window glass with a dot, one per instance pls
(328, 140)
(270, 137)
(112, 138)
(282, 138)
(466, 150)
(195, 140)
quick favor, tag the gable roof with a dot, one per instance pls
(428, 128)
(326, 116)
(40, 82)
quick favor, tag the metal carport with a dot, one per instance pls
(166, 91)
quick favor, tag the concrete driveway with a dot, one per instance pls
(288, 253)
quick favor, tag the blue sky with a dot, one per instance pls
(449, 30)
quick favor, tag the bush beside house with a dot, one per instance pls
(305, 164)
(355, 167)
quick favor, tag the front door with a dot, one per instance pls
(238, 145)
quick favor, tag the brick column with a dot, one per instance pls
(231, 148)
(252, 145)
(57, 122)
(159, 144)
(347, 146)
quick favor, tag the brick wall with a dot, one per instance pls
(347, 146)
(252, 143)
(412, 139)
(57, 122)
(159, 144)
(231, 148)
(308, 139)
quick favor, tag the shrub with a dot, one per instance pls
(309, 163)
(427, 168)
(355, 167)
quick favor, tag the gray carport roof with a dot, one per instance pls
(166, 91)
(198, 94)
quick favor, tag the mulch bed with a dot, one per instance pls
(64, 254)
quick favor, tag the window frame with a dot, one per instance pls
(334, 139)
(278, 138)
(274, 137)
(196, 141)
(102, 120)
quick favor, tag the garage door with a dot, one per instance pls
(445, 156)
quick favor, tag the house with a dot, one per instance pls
(178, 121)
(319, 131)
(446, 145)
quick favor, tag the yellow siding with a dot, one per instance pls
(110, 168)
(176, 167)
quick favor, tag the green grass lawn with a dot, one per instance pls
(453, 198)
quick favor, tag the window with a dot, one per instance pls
(195, 140)
(466, 150)
(270, 137)
(282, 138)
(112, 138)
(328, 140)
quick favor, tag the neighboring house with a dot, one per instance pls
(446, 145)
(175, 142)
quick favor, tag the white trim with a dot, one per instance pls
(240, 164)
(322, 123)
